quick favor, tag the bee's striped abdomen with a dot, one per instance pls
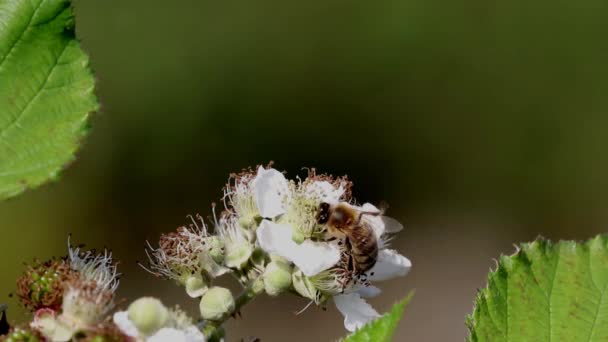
(364, 248)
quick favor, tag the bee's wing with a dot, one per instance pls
(391, 225)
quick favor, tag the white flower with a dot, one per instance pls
(238, 198)
(309, 256)
(171, 325)
(270, 189)
(316, 260)
(357, 312)
(88, 294)
(189, 256)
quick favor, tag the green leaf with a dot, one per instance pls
(381, 329)
(546, 292)
(46, 92)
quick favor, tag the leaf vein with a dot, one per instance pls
(16, 41)
(3, 130)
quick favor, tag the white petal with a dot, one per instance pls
(357, 312)
(325, 191)
(315, 257)
(270, 189)
(390, 265)
(193, 334)
(122, 321)
(368, 291)
(166, 335)
(310, 257)
(375, 220)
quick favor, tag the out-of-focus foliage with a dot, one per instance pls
(545, 292)
(46, 92)
(383, 328)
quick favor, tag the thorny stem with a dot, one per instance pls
(213, 330)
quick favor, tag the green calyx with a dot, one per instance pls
(306, 288)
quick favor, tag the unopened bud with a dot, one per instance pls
(148, 315)
(216, 303)
(277, 277)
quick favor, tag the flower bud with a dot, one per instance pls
(277, 277)
(216, 303)
(195, 286)
(148, 315)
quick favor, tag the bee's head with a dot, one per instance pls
(323, 215)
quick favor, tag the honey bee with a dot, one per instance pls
(347, 222)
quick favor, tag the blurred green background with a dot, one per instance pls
(482, 123)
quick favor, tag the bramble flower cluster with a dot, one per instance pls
(70, 298)
(269, 237)
(306, 237)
